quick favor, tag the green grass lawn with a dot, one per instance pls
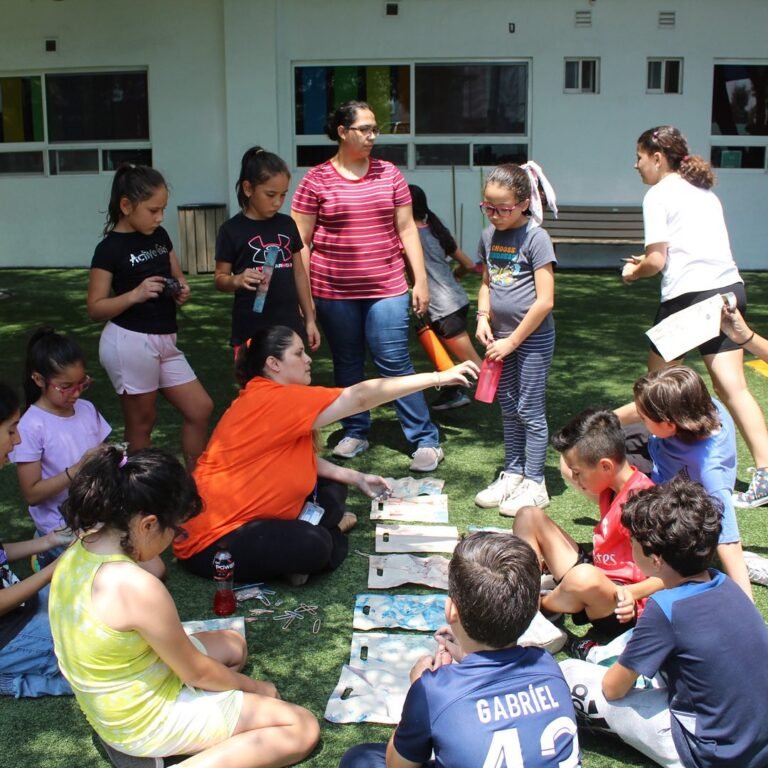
(600, 352)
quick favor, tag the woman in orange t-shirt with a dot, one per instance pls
(260, 471)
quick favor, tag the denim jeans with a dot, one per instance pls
(28, 666)
(381, 326)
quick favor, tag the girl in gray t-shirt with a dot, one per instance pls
(515, 324)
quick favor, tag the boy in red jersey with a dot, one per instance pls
(604, 588)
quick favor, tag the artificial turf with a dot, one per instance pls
(600, 352)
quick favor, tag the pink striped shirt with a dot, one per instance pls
(357, 252)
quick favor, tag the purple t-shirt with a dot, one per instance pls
(57, 442)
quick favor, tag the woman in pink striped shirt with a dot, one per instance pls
(355, 213)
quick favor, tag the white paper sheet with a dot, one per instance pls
(416, 538)
(385, 571)
(419, 613)
(418, 509)
(687, 329)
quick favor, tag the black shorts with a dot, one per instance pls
(720, 343)
(451, 325)
(608, 626)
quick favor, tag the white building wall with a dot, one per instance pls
(221, 79)
(57, 221)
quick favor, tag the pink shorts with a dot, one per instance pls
(138, 363)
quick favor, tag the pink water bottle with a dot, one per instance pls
(488, 380)
(223, 577)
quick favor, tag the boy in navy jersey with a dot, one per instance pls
(483, 700)
(701, 632)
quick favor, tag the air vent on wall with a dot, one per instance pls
(583, 19)
(666, 19)
(391, 9)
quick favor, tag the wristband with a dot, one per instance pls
(438, 383)
(744, 343)
(480, 314)
(66, 472)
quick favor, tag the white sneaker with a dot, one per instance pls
(757, 568)
(426, 458)
(502, 486)
(349, 447)
(528, 494)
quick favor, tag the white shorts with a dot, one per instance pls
(138, 363)
(197, 721)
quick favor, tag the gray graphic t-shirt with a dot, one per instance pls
(512, 257)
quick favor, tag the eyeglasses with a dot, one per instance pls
(492, 210)
(72, 389)
(366, 130)
(179, 534)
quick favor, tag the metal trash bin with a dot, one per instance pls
(198, 226)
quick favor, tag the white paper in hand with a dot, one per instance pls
(684, 330)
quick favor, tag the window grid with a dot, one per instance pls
(410, 144)
(82, 144)
(582, 75)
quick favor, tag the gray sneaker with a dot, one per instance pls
(757, 568)
(426, 458)
(349, 447)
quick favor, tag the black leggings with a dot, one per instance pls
(264, 549)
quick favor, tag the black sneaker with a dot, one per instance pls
(579, 647)
(450, 398)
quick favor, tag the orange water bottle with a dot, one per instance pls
(433, 346)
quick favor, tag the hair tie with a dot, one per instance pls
(655, 134)
(123, 461)
(686, 158)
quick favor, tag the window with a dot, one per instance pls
(665, 76)
(464, 99)
(581, 75)
(319, 90)
(73, 123)
(430, 114)
(740, 115)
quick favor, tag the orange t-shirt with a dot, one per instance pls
(259, 462)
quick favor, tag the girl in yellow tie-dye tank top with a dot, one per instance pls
(147, 688)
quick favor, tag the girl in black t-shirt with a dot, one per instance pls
(135, 284)
(258, 255)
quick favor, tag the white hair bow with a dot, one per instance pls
(537, 177)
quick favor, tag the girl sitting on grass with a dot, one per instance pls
(28, 666)
(148, 689)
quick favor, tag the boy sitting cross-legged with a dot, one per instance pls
(605, 588)
(701, 632)
(482, 700)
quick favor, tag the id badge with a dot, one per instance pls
(312, 513)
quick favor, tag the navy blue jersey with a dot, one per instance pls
(507, 709)
(711, 644)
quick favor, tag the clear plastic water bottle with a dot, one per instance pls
(224, 578)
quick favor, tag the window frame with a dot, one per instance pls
(46, 146)
(734, 142)
(664, 61)
(581, 61)
(411, 139)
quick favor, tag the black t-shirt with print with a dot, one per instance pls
(132, 257)
(245, 243)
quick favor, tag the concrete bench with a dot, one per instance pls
(597, 225)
